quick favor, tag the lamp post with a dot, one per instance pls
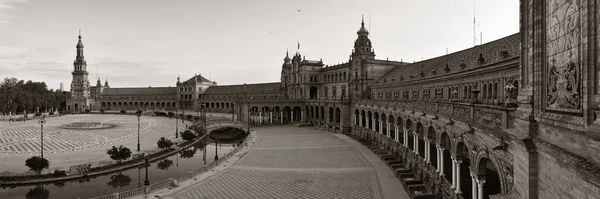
(145, 156)
(42, 122)
(176, 124)
(139, 114)
(216, 150)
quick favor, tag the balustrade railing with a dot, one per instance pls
(488, 116)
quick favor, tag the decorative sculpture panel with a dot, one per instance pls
(563, 47)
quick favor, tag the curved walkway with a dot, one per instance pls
(292, 162)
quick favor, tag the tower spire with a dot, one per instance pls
(363, 21)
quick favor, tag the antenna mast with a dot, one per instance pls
(370, 23)
(474, 32)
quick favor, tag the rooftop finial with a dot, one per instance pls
(363, 21)
(80, 33)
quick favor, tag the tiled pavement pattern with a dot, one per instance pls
(83, 147)
(24, 138)
(291, 162)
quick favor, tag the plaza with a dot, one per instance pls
(70, 147)
(297, 162)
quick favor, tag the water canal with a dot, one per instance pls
(193, 157)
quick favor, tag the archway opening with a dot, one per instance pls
(411, 141)
(363, 119)
(313, 92)
(392, 127)
(297, 114)
(432, 149)
(370, 120)
(337, 115)
(377, 122)
(356, 117)
(462, 155)
(330, 120)
(492, 184)
(445, 144)
(421, 140)
(400, 124)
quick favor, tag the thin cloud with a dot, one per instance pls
(5, 6)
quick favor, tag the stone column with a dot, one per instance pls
(438, 162)
(380, 126)
(302, 116)
(480, 183)
(416, 141)
(453, 172)
(474, 185)
(389, 131)
(441, 161)
(260, 114)
(292, 116)
(426, 150)
(271, 117)
(396, 133)
(405, 138)
(281, 116)
(457, 181)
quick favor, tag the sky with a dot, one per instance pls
(141, 43)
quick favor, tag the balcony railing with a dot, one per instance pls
(486, 116)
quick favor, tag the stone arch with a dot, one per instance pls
(296, 114)
(363, 118)
(356, 117)
(370, 120)
(392, 121)
(446, 144)
(330, 115)
(487, 170)
(376, 119)
(420, 139)
(383, 118)
(409, 128)
(431, 135)
(464, 159)
(322, 113)
(337, 115)
(400, 124)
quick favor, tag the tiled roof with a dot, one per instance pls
(198, 78)
(240, 88)
(141, 91)
(479, 56)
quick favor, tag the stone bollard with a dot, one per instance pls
(147, 190)
(171, 182)
(116, 195)
(191, 174)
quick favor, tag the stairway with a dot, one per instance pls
(414, 186)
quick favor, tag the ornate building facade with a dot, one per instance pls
(102, 97)
(512, 118)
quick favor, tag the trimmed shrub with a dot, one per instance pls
(38, 114)
(123, 111)
(51, 113)
(87, 111)
(59, 173)
(102, 111)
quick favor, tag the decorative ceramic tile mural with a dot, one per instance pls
(563, 48)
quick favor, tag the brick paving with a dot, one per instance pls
(67, 147)
(292, 162)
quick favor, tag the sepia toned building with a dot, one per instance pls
(512, 118)
(102, 97)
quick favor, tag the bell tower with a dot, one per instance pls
(80, 85)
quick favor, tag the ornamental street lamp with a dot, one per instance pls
(146, 158)
(509, 90)
(139, 114)
(176, 124)
(42, 122)
(216, 150)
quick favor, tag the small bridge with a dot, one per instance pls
(213, 124)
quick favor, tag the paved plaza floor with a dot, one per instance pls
(297, 162)
(68, 147)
